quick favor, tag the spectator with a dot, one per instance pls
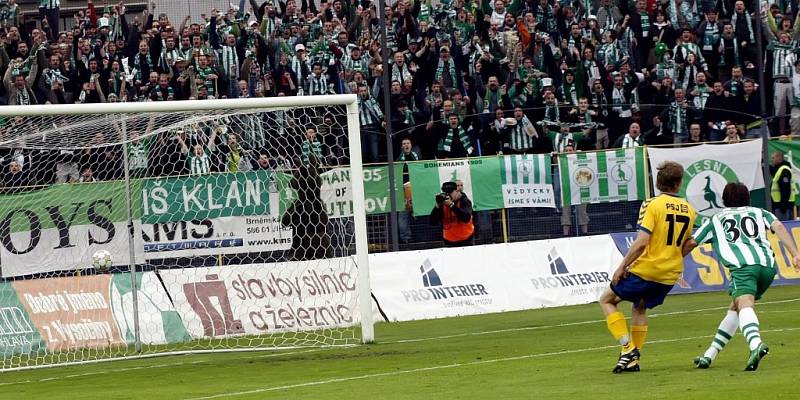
(199, 159)
(453, 210)
(404, 217)
(567, 210)
(631, 139)
(782, 188)
(731, 133)
(264, 162)
(749, 101)
(716, 109)
(312, 148)
(15, 179)
(138, 155)
(454, 140)
(50, 10)
(87, 175)
(521, 134)
(677, 117)
(371, 118)
(18, 85)
(586, 121)
(695, 133)
(407, 152)
(67, 167)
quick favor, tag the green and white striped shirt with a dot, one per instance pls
(369, 112)
(780, 52)
(199, 164)
(521, 134)
(739, 236)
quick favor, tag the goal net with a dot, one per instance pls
(231, 224)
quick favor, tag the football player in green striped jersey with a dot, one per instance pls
(738, 235)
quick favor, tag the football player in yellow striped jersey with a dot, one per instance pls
(652, 266)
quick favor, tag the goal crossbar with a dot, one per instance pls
(179, 105)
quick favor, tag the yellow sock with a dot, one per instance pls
(638, 334)
(619, 329)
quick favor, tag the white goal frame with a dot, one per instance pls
(350, 101)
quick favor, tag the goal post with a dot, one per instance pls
(233, 224)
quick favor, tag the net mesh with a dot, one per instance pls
(228, 216)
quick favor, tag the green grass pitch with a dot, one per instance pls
(556, 353)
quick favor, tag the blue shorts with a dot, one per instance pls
(637, 290)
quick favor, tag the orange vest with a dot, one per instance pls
(454, 230)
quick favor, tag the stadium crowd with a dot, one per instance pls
(468, 77)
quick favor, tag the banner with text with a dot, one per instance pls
(66, 314)
(265, 299)
(337, 192)
(603, 176)
(60, 227)
(527, 181)
(708, 168)
(492, 278)
(215, 214)
(703, 272)
(71, 313)
(481, 177)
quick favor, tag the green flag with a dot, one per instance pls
(527, 181)
(603, 176)
(481, 177)
(337, 193)
(208, 196)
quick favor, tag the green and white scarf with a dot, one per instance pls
(620, 103)
(23, 97)
(561, 140)
(311, 149)
(451, 67)
(569, 94)
(735, 18)
(412, 156)
(703, 93)
(400, 74)
(629, 142)
(446, 143)
(489, 96)
(551, 113)
(677, 118)
(645, 21)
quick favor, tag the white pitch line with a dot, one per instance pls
(450, 366)
(594, 321)
(178, 364)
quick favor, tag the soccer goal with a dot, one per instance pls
(231, 225)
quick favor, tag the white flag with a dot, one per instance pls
(709, 167)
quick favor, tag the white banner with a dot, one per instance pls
(527, 181)
(225, 235)
(47, 250)
(709, 167)
(493, 278)
(266, 298)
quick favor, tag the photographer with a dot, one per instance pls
(454, 210)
